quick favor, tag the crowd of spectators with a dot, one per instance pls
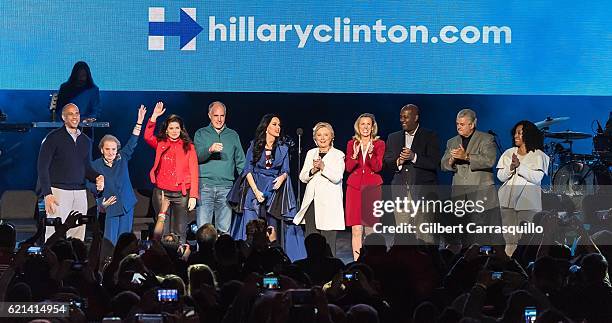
(218, 279)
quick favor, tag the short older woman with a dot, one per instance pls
(118, 199)
(321, 210)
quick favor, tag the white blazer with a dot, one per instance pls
(325, 189)
(521, 189)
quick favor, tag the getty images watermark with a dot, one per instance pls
(439, 211)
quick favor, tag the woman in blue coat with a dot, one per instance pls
(264, 188)
(118, 197)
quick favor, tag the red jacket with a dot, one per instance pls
(186, 164)
(364, 174)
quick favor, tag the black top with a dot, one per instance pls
(465, 141)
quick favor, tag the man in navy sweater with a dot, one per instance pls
(64, 165)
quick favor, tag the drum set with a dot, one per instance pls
(571, 174)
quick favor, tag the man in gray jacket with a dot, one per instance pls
(471, 156)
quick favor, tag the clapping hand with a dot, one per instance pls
(405, 155)
(459, 153)
(515, 163)
(317, 165)
(355, 149)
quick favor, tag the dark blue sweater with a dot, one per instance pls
(64, 164)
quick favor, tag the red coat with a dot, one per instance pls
(364, 174)
(186, 164)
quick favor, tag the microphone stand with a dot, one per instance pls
(499, 148)
(496, 139)
(299, 132)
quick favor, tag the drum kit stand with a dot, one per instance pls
(576, 175)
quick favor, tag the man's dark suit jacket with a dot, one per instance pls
(424, 170)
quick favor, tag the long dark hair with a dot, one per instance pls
(259, 143)
(532, 136)
(184, 136)
(70, 89)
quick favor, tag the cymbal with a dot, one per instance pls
(567, 135)
(549, 121)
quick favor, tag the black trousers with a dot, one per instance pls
(311, 227)
(177, 213)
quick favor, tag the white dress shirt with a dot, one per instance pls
(408, 139)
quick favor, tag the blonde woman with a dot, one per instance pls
(364, 161)
(322, 211)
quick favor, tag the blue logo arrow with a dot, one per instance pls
(186, 28)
